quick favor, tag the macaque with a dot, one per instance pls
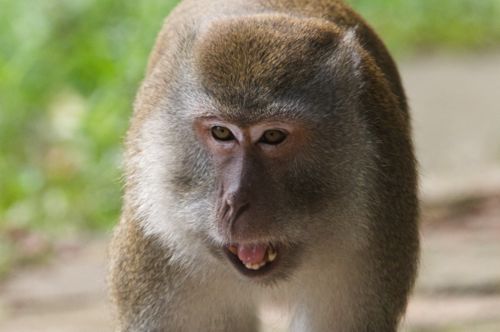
(269, 158)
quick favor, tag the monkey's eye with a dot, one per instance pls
(222, 133)
(273, 137)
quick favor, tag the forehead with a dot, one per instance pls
(252, 62)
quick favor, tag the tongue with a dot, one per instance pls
(252, 253)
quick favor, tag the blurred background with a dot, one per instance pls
(69, 70)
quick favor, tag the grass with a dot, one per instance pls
(69, 70)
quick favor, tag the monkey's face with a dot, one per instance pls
(275, 189)
(276, 125)
(253, 165)
(256, 148)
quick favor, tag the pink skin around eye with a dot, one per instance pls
(251, 136)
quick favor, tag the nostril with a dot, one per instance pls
(239, 210)
(234, 215)
(235, 206)
(236, 202)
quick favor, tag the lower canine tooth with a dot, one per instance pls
(271, 255)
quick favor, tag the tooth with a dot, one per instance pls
(271, 254)
(255, 266)
(233, 249)
(251, 266)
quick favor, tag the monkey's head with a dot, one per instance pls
(251, 142)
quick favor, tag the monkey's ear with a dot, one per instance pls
(348, 55)
(345, 65)
(350, 45)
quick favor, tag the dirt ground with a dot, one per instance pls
(457, 128)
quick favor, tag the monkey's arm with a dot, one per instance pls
(154, 294)
(139, 272)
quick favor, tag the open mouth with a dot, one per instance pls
(252, 259)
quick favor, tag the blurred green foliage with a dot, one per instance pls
(409, 26)
(68, 74)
